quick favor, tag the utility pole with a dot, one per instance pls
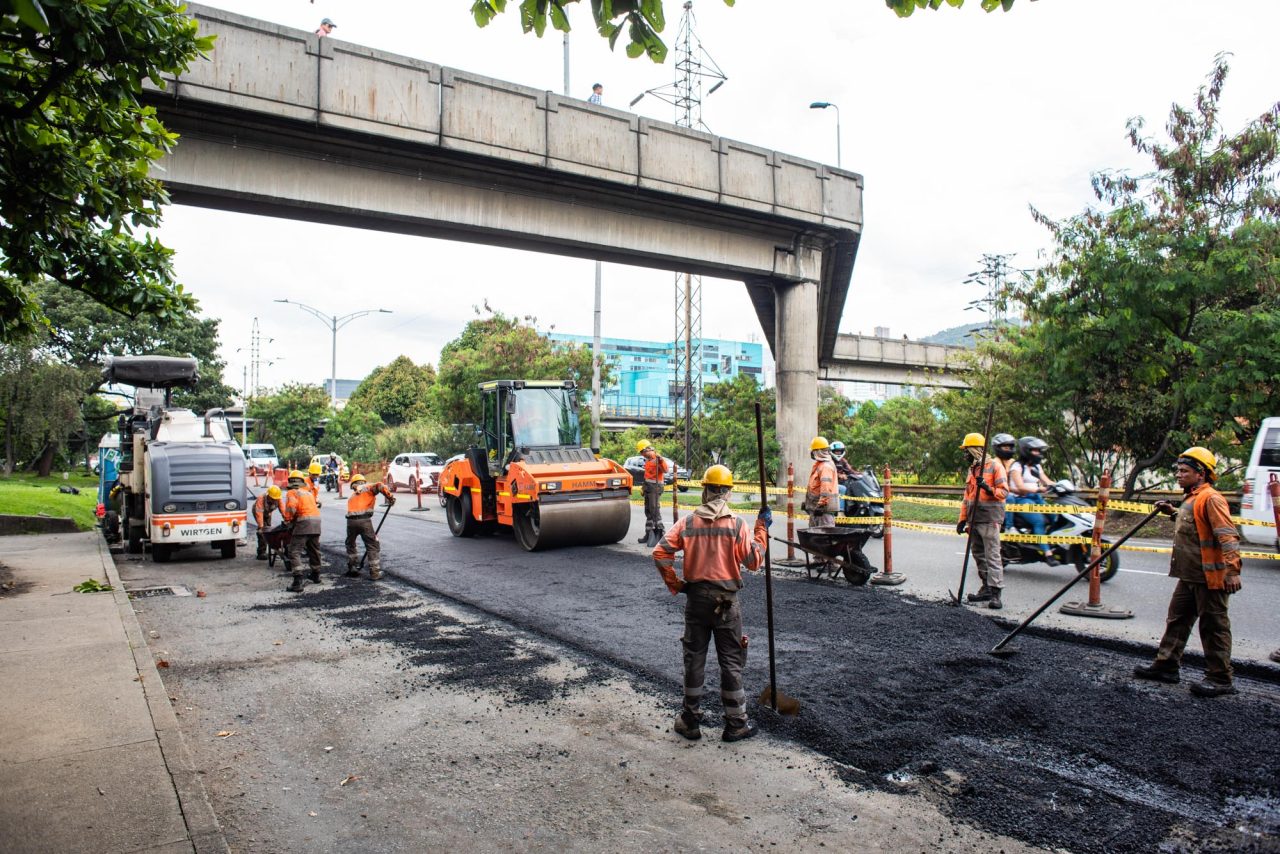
(334, 322)
(994, 276)
(244, 406)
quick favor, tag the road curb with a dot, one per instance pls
(197, 813)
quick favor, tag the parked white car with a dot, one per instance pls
(1255, 500)
(405, 470)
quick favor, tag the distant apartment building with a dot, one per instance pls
(643, 377)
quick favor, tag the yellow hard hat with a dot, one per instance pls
(315, 468)
(641, 445)
(819, 443)
(974, 440)
(717, 476)
(274, 492)
(357, 478)
(1204, 457)
(297, 475)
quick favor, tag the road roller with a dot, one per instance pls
(532, 473)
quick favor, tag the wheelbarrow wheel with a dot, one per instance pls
(857, 569)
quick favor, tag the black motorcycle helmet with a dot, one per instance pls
(1003, 444)
(1031, 449)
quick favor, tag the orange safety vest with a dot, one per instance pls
(1215, 551)
(360, 504)
(654, 469)
(313, 485)
(299, 504)
(713, 551)
(993, 475)
(823, 490)
(261, 515)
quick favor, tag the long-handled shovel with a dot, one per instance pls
(958, 598)
(777, 701)
(376, 529)
(1000, 648)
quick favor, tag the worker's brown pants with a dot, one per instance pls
(709, 612)
(652, 506)
(1193, 602)
(986, 553)
(362, 528)
(299, 542)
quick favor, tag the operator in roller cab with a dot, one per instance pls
(1206, 562)
(302, 514)
(266, 504)
(716, 544)
(360, 525)
(655, 471)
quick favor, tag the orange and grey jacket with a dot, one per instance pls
(360, 504)
(824, 490)
(1206, 545)
(300, 511)
(714, 549)
(655, 469)
(313, 485)
(990, 504)
(262, 513)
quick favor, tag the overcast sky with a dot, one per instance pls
(958, 119)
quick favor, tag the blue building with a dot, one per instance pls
(644, 382)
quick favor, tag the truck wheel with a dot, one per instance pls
(227, 548)
(135, 539)
(161, 553)
(458, 511)
(111, 526)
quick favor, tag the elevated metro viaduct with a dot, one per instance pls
(279, 122)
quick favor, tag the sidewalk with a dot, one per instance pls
(92, 759)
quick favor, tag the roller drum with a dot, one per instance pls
(572, 523)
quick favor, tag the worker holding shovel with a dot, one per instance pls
(981, 514)
(360, 525)
(716, 544)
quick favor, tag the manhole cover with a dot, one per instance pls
(147, 592)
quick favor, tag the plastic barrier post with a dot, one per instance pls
(417, 489)
(1094, 607)
(790, 559)
(1273, 487)
(887, 576)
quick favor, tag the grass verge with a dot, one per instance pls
(28, 495)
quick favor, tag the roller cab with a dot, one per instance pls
(532, 473)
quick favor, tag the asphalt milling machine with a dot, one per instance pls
(181, 477)
(532, 474)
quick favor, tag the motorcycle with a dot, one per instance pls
(329, 479)
(1070, 524)
(864, 484)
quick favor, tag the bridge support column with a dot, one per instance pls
(796, 347)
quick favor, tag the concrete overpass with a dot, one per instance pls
(898, 361)
(282, 123)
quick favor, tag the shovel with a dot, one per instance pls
(958, 598)
(776, 700)
(376, 529)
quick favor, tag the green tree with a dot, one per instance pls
(350, 433)
(76, 144)
(729, 427)
(292, 416)
(498, 347)
(904, 8)
(40, 405)
(1157, 324)
(399, 392)
(422, 436)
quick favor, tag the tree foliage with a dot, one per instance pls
(399, 392)
(904, 8)
(350, 432)
(292, 416)
(1157, 324)
(40, 402)
(495, 347)
(76, 145)
(729, 426)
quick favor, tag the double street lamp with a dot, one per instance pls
(334, 322)
(822, 105)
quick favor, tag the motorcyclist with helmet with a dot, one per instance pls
(1002, 448)
(1027, 485)
(844, 471)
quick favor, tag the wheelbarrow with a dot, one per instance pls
(278, 540)
(840, 548)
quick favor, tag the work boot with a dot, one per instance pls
(260, 556)
(296, 586)
(315, 575)
(747, 730)
(375, 574)
(995, 604)
(689, 726)
(1275, 656)
(645, 538)
(1209, 688)
(351, 572)
(1157, 673)
(983, 594)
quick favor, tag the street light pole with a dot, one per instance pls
(334, 322)
(822, 105)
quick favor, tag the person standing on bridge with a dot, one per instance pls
(597, 94)
(360, 525)
(301, 513)
(981, 514)
(326, 26)
(1206, 562)
(715, 544)
(263, 507)
(655, 473)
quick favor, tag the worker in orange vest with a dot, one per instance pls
(360, 525)
(1206, 562)
(715, 543)
(263, 507)
(313, 479)
(823, 492)
(655, 472)
(981, 515)
(302, 514)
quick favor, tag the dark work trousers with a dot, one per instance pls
(362, 528)
(652, 506)
(299, 542)
(986, 553)
(709, 612)
(262, 544)
(1193, 602)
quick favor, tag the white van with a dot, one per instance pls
(260, 456)
(1255, 502)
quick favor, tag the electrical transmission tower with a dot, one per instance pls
(994, 276)
(696, 77)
